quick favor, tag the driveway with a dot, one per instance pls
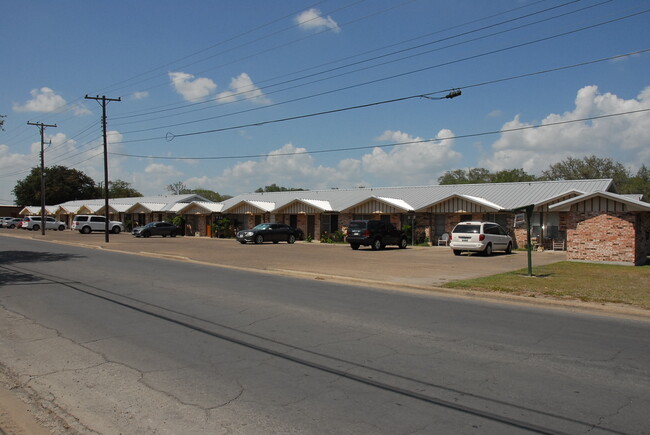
(414, 266)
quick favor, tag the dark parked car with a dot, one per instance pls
(374, 233)
(156, 229)
(267, 233)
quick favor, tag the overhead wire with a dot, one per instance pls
(357, 62)
(396, 144)
(402, 74)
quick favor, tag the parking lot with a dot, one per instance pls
(414, 266)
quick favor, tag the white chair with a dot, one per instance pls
(443, 240)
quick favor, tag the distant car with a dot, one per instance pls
(476, 236)
(87, 223)
(267, 232)
(12, 222)
(3, 220)
(35, 223)
(156, 229)
(374, 233)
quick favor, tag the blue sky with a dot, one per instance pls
(203, 73)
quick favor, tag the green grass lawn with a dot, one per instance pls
(570, 280)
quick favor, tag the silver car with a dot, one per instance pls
(482, 237)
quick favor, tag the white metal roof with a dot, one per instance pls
(631, 203)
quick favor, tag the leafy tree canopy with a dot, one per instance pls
(590, 167)
(275, 188)
(211, 195)
(61, 185)
(482, 175)
(119, 189)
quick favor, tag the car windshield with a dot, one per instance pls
(475, 229)
(357, 225)
(262, 227)
(149, 225)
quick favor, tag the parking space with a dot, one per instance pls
(420, 266)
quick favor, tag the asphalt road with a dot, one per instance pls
(121, 344)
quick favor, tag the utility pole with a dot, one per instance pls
(41, 127)
(103, 103)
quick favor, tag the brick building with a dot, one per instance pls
(588, 218)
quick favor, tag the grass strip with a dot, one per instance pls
(571, 280)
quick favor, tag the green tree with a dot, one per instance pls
(590, 167)
(511, 176)
(482, 175)
(121, 189)
(61, 185)
(178, 188)
(211, 195)
(640, 183)
(275, 188)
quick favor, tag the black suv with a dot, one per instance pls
(374, 233)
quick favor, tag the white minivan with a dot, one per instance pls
(482, 237)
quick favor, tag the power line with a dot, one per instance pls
(171, 136)
(332, 150)
(399, 75)
(359, 62)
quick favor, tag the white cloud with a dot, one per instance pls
(44, 100)
(191, 88)
(624, 137)
(312, 20)
(13, 167)
(418, 163)
(242, 87)
(290, 166)
(139, 95)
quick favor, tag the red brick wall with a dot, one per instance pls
(602, 237)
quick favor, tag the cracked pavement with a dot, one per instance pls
(168, 347)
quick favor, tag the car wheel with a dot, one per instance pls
(116, 230)
(354, 246)
(292, 239)
(146, 234)
(61, 227)
(36, 228)
(488, 250)
(376, 245)
(259, 239)
(243, 242)
(276, 242)
(457, 251)
(164, 235)
(509, 249)
(403, 243)
(85, 230)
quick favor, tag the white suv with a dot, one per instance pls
(87, 223)
(482, 237)
(34, 223)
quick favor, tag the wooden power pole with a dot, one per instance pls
(103, 101)
(41, 127)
